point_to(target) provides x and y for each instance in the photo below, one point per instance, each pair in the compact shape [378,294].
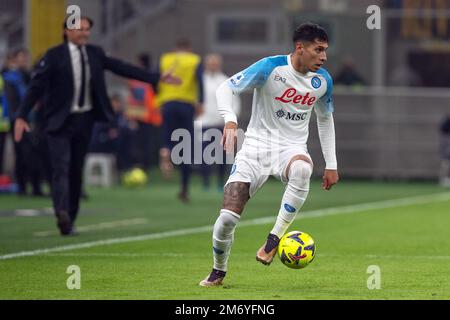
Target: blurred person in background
[36,157]
[70,81]
[403,75]
[125,127]
[213,77]
[347,75]
[179,105]
[4,124]
[17,78]
[142,108]
[445,151]
[114,137]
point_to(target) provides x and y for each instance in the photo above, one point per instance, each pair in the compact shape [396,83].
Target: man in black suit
[69,81]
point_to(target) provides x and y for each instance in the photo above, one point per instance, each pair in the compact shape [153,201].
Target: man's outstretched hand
[330,178]
[169,78]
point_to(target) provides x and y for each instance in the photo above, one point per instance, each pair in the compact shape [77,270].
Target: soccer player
[286,90]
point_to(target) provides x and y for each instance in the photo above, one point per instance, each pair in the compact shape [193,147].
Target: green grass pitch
[356,225]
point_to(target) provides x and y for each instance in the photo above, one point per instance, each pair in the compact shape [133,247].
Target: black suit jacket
[52,83]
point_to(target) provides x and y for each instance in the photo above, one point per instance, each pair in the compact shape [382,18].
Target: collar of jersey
[297,73]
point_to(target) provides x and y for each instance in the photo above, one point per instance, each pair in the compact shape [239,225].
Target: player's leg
[298,173]
[186,114]
[236,195]
[2,148]
[169,124]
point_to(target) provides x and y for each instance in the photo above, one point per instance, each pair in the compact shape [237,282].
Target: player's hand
[169,78]
[229,137]
[330,178]
[199,109]
[20,127]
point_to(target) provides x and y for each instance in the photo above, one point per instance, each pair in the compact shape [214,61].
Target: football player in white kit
[286,90]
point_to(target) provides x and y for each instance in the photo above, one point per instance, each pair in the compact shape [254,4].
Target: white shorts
[254,164]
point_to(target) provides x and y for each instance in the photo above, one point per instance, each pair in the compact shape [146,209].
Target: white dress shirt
[75,57]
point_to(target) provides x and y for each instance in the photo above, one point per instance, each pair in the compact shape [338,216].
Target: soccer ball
[135,178]
[296,249]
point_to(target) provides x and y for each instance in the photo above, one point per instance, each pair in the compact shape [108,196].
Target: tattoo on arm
[236,195]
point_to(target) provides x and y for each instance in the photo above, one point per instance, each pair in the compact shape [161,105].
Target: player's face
[80,36]
[313,54]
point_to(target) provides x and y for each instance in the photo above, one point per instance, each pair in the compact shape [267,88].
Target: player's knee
[299,175]
[236,195]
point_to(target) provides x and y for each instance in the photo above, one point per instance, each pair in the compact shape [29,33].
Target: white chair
[100,170]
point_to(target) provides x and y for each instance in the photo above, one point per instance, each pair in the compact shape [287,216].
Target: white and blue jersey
[283,101]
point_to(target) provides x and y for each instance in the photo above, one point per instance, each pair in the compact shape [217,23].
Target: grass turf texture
[409,243]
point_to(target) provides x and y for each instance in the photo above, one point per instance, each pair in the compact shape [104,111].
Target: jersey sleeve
[325,103]
[325,123]
[253,77]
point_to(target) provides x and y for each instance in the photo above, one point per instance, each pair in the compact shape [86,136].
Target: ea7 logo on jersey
[237,78]
[279,78]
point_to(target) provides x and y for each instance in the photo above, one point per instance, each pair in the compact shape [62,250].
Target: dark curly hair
[310,32]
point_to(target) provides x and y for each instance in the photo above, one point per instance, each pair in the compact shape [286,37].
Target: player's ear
[299,47]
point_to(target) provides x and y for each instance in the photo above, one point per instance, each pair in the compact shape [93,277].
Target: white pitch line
[99,226]
[259,221]
[91,244]
[168,254]
[369,206]
[119,254]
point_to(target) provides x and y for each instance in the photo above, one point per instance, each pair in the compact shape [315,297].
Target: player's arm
[39,80]
[325,125]
[224,96]
[251,78]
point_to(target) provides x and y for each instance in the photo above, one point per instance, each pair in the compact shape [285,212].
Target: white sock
[294,196]
[223,236]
